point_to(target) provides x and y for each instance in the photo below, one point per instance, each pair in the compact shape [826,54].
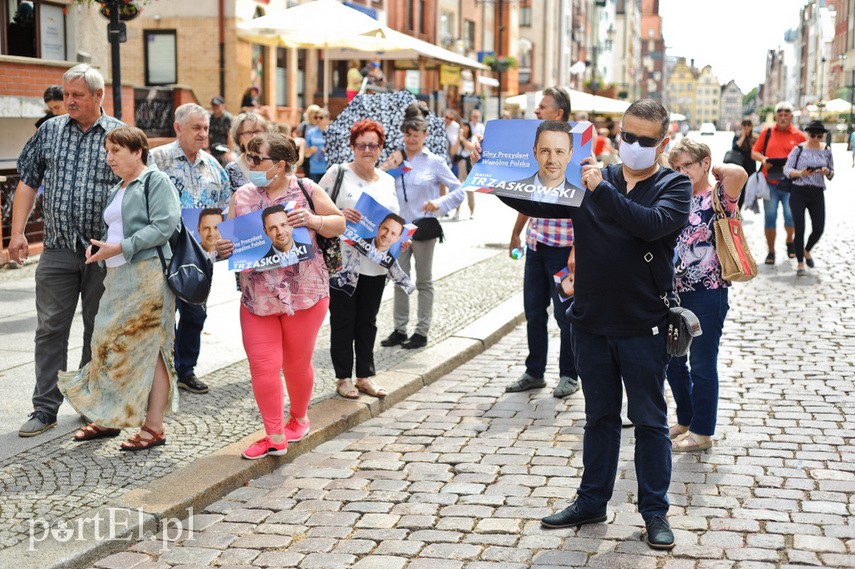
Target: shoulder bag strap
[768,136]
[339,177]
[148,216]
[306,194]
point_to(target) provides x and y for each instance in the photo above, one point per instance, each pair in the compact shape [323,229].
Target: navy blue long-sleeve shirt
[615,291]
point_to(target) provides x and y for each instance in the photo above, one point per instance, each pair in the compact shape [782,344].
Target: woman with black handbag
[420,202]
[353,309]
[131,381]
[743,141]
[698,281]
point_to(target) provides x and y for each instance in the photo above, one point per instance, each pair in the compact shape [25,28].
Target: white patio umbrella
[320,24]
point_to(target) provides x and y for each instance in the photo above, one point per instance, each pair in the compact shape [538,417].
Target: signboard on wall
[52,27]
[449,75]
[413,81]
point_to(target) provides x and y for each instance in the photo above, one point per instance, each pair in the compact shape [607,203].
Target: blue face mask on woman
[259,178]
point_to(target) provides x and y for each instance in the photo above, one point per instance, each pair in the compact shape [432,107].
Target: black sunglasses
[816,134]
[257,160]
[644,141]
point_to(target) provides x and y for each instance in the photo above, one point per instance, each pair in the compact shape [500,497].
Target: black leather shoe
[192,384]
[525,383]
[415,341]
[659,534]
[573,516]
[395,338]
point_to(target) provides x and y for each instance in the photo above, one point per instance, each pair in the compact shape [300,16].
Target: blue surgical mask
[259,178]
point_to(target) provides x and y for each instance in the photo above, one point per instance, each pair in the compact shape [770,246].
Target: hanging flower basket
[500,64]
[128,9]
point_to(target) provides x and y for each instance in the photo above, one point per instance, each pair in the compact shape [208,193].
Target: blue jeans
[538,290]
[188,336]
[696,390]
[602,362]
[770,208]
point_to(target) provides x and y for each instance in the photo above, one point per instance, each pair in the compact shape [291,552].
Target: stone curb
[207,479]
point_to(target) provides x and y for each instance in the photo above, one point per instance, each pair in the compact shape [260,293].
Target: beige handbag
[735,258]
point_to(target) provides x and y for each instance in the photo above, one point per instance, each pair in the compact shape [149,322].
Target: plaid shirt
[201,184]
[552,232]
[72,166]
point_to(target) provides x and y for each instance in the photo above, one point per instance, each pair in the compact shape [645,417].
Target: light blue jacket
[141,236]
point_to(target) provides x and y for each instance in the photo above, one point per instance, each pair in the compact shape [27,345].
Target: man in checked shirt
[549,244]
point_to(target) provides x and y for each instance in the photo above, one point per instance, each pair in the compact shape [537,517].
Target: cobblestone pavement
[58,480]
[458,475]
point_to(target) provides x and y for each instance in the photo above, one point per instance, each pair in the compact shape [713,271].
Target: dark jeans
[538,291]
[602,362]
[188,336]
[353,326]
[694,379]
[61,277]
[812,199]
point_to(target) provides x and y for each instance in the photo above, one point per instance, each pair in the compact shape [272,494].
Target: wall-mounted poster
[52,31]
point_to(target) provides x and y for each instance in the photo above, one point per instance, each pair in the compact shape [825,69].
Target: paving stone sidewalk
[458,475]
[61,478]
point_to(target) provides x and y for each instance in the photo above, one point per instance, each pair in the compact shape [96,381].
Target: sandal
[367,386]
[770,259]
[346,389]
[688,443]
[136,442]
[791,250]
[677,431]
[92,431]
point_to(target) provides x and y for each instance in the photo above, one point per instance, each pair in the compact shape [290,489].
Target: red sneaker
[263,447]
[295,430]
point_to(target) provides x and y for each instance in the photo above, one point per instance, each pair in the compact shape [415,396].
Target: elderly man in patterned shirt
[201,183]
[67,157]
[550,244]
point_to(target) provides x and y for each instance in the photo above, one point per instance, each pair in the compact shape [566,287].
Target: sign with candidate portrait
[202,224]
[534,160]
[264,240]
[380,233]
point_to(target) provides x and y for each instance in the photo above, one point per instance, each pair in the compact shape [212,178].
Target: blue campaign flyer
[264,240]
[203,227]
[533,160]
[564,283]
[380,233]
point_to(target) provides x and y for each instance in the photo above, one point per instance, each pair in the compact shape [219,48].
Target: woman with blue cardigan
[130,381]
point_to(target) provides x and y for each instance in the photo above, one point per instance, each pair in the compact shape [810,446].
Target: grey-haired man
[67,157]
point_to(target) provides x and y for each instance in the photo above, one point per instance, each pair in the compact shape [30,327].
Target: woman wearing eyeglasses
[353,318]
[809,165]
[245,127]
[694,378]
[282,309]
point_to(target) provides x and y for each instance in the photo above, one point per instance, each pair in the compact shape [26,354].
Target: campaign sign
[380,233]
[564,284]
[512,166]
[203,227]
[257,249]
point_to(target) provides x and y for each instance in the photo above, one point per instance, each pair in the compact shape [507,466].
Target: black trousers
[812,199]
[353,327]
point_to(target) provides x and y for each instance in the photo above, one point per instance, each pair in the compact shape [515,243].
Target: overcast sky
[731,35]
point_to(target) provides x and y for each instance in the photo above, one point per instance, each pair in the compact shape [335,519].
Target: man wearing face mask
[626,229]
[201,183]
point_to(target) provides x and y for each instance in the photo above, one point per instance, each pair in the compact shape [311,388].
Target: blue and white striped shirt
[809,158]
[421,185]
[72,166]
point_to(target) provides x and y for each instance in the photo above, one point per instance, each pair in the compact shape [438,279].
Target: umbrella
[388,110]
[316,25]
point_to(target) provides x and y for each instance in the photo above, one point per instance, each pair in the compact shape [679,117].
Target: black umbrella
[388,110]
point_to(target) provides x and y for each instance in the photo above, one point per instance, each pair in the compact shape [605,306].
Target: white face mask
[637,157]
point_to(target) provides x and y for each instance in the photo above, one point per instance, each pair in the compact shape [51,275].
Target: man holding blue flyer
[626,228]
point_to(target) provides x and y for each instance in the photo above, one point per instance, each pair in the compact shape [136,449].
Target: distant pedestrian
[219,132]
[694,378]
[771,149]
[66,156]
[282,309]
[852,147]
[130,381]
[628,224]
[201,183]
[354,79]
[743,142]
[55,102]
[315,146]
[809,165]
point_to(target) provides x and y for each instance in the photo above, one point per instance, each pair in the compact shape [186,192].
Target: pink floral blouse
[287,289]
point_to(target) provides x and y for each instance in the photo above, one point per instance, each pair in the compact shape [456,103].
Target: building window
[525,16]
[29,29]
[469,35]
[161,57]
[526,49]
[411,25]
[422,16]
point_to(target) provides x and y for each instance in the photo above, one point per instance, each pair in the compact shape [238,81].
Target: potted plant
[501,63]
[128,9]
